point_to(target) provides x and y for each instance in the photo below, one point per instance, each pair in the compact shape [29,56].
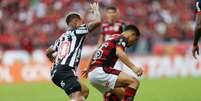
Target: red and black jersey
[109,29]
[105,56]
[197,6]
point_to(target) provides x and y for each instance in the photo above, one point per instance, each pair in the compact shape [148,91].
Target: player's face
[133,38]
[111,14]
[76,22]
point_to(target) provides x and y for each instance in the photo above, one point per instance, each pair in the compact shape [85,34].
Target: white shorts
[102,81]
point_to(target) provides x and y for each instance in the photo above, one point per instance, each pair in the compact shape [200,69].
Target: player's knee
[76,96]
[85,92]
[134,84]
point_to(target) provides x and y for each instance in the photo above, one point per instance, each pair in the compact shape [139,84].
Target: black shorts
[65,78]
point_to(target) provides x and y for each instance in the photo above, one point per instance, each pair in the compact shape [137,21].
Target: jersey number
[64,49]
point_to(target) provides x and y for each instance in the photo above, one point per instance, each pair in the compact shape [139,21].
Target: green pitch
[188,89]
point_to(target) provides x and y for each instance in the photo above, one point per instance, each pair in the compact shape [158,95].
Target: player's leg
[84,89]
[68,81]
[105,82]
[114,95]
[118,92]
[76,96]
[72,87]
[129,83]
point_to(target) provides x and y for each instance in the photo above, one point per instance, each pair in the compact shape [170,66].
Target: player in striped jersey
[197,6]
[65,53]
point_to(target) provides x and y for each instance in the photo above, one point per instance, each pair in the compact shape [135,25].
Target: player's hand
[195,51]
[52,60]
[138,71]
[94,7]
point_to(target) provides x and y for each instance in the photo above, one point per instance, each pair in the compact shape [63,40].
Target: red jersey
[109,29]
[105,56]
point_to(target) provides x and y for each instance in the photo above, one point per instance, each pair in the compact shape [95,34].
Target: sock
[113,97]
[110,97]
[129,94]
[106,96]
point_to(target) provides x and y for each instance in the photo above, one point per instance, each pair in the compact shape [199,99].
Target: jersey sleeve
[122,42]
[82,30]
[197,6]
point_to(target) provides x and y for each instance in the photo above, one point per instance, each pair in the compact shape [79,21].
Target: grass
[174,89]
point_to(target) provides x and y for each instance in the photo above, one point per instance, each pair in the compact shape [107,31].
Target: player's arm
[96,13]
[49,54]
[197,35]
[101,39]
[124,58]
[197,29]
[197,32]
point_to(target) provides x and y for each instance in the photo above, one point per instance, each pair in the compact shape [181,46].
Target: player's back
[69,46]
[105,55]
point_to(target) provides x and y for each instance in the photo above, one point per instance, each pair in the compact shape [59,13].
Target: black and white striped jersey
[69,45]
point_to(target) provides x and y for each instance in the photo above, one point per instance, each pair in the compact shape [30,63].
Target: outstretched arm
[96,13]
[124,58]
[101,39]
[197,35]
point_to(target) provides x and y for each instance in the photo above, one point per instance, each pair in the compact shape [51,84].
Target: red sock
[106,96]
[129,94]
[111,97]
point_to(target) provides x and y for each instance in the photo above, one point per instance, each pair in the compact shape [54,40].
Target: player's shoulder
[116,36]
[83,26]
[62,35]
[105,23]
[82,29]
[119,22]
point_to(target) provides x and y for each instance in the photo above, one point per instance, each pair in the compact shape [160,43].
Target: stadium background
[28,27]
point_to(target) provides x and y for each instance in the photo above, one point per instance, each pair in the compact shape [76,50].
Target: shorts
[65,79]
[102,80]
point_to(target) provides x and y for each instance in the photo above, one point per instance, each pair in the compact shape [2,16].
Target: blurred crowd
[31,24]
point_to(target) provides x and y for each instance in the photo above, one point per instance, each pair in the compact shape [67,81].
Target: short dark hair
[133,28]
[72,16]
[111,8]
